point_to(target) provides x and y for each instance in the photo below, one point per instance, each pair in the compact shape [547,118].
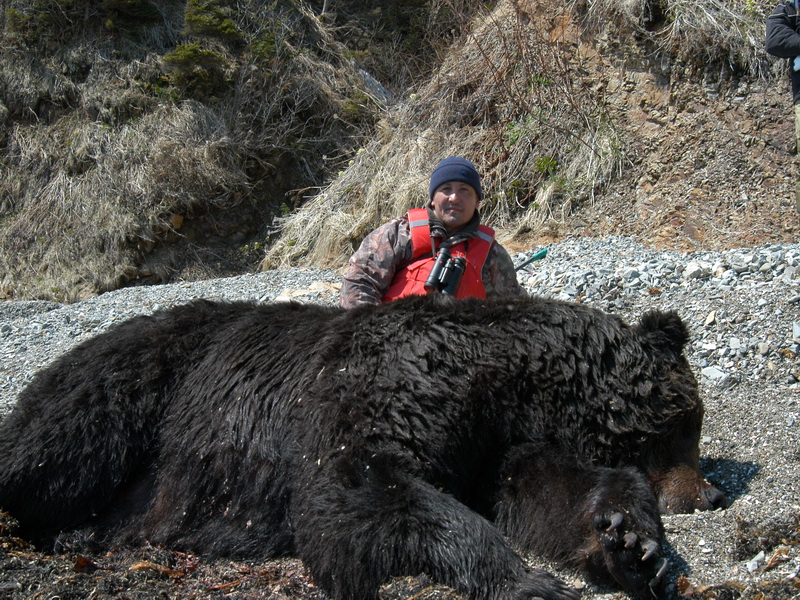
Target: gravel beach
[742,308]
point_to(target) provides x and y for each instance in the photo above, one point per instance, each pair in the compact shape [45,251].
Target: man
[783,41]
[441,248]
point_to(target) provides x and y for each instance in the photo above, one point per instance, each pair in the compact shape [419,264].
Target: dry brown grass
[698,31]
[103,148]
[512,96]
[77,222]
[504,97]
[100,152]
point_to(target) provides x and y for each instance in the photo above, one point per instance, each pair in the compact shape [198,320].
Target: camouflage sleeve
[499,276]
[372,267]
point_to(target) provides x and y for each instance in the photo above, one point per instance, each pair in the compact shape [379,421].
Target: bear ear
[664,329]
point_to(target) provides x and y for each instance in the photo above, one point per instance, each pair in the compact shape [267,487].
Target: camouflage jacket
[388,248]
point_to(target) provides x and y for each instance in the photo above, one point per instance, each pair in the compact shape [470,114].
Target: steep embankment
[587,119]
[711,166]
[144,142]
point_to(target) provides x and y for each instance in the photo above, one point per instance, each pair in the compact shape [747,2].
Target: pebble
[742,309]
[739,305]
[756,562]
[33,333]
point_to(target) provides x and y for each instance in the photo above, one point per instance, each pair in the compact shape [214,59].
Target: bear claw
[663,567]
[650,547]
[632,558]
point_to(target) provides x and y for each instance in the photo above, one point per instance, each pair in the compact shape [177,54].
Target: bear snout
[709,498]
[714,498]
[684,490]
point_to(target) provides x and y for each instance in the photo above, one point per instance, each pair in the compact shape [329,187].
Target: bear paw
[632,558]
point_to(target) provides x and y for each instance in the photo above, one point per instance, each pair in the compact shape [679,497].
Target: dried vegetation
[515,94]
[145,141]
[128,126]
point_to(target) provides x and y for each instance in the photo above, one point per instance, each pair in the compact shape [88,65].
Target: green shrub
[38,18]
[17,21]
[264,49]
[43,21]
[546,165]
[207,17]
[197,71]
[356,108]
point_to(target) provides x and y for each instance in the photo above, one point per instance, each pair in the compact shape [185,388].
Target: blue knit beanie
[455,168]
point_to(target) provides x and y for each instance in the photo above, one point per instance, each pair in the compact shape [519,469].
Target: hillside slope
[711,167]
[145,142]
[672,127]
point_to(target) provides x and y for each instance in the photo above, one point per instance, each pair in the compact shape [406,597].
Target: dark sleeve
[499,276]
[372,267]
[782,39]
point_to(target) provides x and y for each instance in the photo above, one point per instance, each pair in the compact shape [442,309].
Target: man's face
[454,203]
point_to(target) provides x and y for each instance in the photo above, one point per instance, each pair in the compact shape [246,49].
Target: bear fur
[425,435]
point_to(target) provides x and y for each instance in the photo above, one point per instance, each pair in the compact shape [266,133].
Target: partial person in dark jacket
[783,41]
[441,248]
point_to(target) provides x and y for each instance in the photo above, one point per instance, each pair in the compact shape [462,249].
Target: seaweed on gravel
[77,571]
[753,537]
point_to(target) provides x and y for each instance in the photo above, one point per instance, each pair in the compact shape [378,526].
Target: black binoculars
[446,273]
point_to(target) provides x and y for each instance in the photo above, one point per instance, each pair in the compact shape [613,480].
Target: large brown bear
[428,435]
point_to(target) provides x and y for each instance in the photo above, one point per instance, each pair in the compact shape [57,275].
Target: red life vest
[410,279]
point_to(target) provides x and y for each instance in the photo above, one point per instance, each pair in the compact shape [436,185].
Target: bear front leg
[627,533]
[602,520]
[358,524]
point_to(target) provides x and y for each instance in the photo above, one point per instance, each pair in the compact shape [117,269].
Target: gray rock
[751,392]
[713,373]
